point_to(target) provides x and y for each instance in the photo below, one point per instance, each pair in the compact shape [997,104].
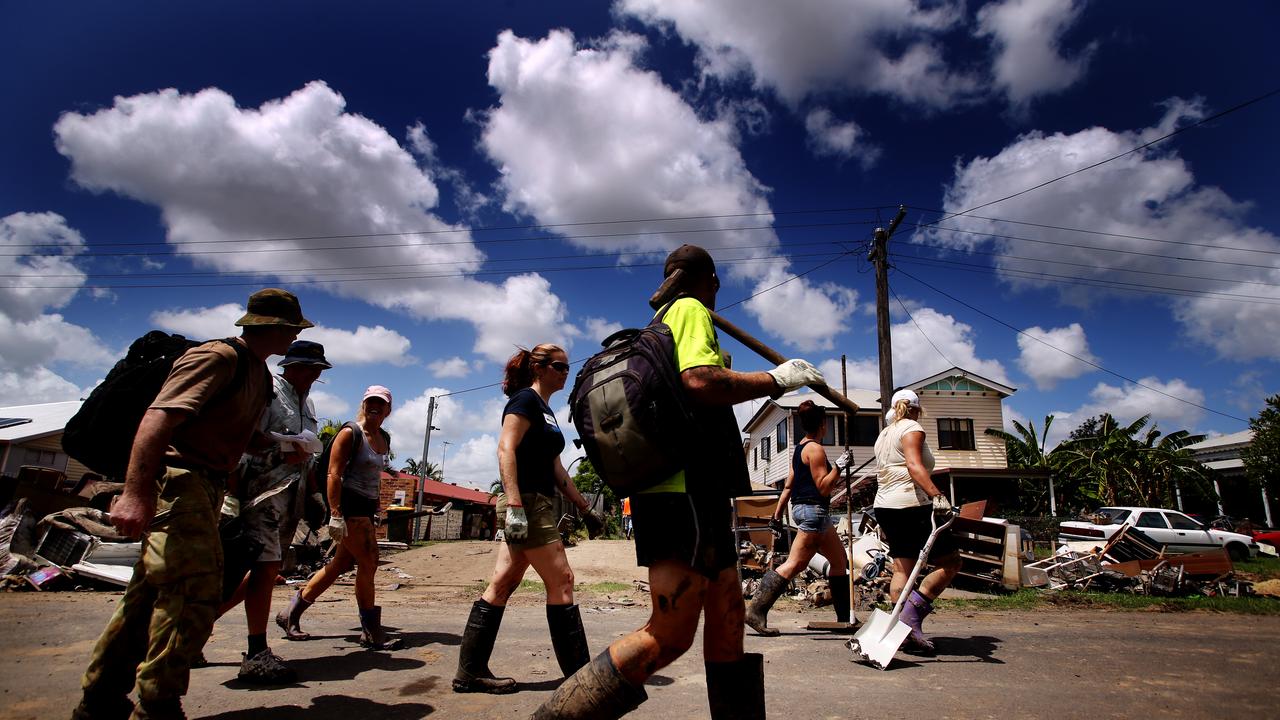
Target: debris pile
[68,549]
[1132,562]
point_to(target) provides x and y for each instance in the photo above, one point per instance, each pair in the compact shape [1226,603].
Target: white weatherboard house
[1221,455]
[958,407]
[32,435]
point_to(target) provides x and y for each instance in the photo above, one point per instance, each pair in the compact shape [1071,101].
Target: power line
[922,332]
[1092,266]
[1065,352]
[1097,232]
[1198,123]
[1087,282]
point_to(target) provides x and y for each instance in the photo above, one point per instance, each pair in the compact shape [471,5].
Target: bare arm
[513,429]
[713,385]
[785,496]
[339,458]
[137,505]
[824,475]
[568,489]
[912,443]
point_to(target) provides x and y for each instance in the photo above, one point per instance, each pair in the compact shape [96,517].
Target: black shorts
[907,529]
[678,526]
[357,505]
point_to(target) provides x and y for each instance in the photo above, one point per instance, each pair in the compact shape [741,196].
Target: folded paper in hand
[305,441]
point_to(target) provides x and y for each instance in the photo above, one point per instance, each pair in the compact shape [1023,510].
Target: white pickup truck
[1177,532]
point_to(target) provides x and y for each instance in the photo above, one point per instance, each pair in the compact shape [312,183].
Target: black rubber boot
[735,690]
[598,691]
[289,618]
[771,587]
[372,635]
[477,645]
[94,707]
[568,638]
[839,585]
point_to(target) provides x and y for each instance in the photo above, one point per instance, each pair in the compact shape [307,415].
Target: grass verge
[1027,599]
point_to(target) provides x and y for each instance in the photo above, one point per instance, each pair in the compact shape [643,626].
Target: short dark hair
[811,415]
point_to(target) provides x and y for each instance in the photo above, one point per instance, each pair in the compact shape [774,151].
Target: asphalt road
[1041,664]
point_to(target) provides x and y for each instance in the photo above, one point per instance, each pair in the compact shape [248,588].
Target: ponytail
[518,373]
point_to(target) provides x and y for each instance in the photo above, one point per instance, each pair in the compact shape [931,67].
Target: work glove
[795,373]
[231,506]
[776,526]
[594,520]
[845,459]
[517,525]
[337,528]
[941,504]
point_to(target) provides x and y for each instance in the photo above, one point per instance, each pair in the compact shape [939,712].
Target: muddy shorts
[356,505]
[272,521]
[811,518]
[678,526]
[907,529]
[540,511]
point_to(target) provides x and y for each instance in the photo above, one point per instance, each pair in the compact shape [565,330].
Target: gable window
[782,436]
[955,434]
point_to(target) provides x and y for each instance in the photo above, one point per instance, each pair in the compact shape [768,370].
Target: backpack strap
[663,310]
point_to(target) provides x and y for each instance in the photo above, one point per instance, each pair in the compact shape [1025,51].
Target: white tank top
[896,489]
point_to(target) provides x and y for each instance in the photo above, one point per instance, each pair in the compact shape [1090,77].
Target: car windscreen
[1113,515]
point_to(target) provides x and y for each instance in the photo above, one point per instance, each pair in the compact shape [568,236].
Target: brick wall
[407,483]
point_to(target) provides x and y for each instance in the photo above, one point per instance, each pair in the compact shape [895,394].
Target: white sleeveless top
[896,489]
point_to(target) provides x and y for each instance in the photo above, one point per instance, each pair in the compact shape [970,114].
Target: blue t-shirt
[541,445]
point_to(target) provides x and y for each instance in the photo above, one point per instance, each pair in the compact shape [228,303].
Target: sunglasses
[559,366]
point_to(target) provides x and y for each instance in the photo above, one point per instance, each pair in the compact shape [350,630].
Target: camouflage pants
[168,609]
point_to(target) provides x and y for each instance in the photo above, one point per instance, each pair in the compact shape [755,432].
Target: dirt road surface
[1040,664]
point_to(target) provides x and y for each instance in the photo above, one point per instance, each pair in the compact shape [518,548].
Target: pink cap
[377,391]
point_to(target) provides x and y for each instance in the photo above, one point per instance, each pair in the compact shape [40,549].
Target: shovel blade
[878,641]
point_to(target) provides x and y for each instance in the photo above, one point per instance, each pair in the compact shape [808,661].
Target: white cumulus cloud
[1026,37]
[831,137]
[1169,404]
[250,190]
[1141,203]
[1048,366]
[454,367]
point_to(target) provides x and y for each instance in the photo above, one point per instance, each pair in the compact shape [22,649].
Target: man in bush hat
[186,448]
[276,484]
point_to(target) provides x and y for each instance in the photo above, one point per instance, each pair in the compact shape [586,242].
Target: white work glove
[231,506]
[844,460]
[796,373]
[517,525]
[337,528]
[941,504]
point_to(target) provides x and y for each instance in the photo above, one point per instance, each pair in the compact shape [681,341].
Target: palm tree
[495,487]
[1026,450]
[1107,462]
[413,467]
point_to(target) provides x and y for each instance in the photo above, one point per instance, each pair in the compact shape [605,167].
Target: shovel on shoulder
[879,639]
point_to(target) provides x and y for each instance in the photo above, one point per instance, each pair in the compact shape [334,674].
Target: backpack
[100,435]
[320,470]
[630,410]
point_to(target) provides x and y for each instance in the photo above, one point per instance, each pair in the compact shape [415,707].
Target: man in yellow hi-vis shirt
[683,529]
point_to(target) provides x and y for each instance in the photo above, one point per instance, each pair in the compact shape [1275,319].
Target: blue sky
[439,184]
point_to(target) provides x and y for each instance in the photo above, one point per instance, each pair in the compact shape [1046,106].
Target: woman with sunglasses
[529,448]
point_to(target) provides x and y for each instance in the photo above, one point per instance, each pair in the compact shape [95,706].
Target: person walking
[808,487]
[529,448]
[276,482]
[683,528]
[626,517]
[905,500]
[186,447]
[358,456]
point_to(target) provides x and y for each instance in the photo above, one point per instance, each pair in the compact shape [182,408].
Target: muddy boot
[596,692]
[372,635]
[771,587]
[839,585]
[477,645]
[916,609]
[266,668]
[167,709]
[99,707]
[289,618]
[568,638]
[735,689]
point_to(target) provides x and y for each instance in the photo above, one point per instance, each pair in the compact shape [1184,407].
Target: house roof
[866,400]
[44,419]
[1244,437]
[1004,390]
[436,488]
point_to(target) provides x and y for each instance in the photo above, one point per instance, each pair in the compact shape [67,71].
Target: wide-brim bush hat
[274,306]
[305,352]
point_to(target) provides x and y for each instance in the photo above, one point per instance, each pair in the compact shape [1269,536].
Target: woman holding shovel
[905,500]
[808,487]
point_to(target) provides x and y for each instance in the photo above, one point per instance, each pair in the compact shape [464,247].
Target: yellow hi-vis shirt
[696,346]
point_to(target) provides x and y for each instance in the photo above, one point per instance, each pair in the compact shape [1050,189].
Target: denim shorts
[811,518]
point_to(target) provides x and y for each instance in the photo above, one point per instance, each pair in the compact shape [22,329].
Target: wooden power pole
[880,256]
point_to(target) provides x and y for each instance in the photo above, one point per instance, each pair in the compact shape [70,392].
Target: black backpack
[100,435]
[630,410]
[320,469]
